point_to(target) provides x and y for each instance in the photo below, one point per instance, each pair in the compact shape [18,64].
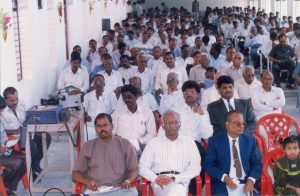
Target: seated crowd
[159,86]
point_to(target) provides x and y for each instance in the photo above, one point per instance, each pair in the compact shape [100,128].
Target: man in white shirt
[179,155]
[215,56]
[117,53]
[107,44]
[144,73]
[174,97]
[185,58]
[235,71]
[96,102]
[13,121]
[74,75]
[113,79]
[125,68]
[195,121]
[267,99]
[246,85]
[162,72]
[134,122]
[197,73]
[92,54]
[155,60]
[223,65]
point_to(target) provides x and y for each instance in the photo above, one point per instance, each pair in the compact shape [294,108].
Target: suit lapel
[243,148]
[227,152]
[223,109]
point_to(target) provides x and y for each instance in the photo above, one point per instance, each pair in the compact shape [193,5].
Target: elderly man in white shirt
[134,122]
[163,71]
[246,85]
[96,102]
[170,160]
[267,99]
[144,73]
[155,60]
[113,79]
[195,121]
[74,75]
[174,97]
[235,71]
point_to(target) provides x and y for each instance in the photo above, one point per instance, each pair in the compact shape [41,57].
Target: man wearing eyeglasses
[232,159]
[170,160]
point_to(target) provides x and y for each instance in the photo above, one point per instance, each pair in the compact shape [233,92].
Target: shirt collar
[230,138]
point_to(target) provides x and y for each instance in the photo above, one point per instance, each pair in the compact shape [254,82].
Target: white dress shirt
[197,73]
[232,174]
[212,94]
[106,103]
[10,121]
[234,73]
[168,102]
[184,62]
[264,102]
[146,77]
[139,125]
[193,125]
[116,56]
[162,154]
[147,100]
[153,64]
[245,90]
[223,65]
[162,73]
[79,80]
[126,73]
[231,101]
[112,81]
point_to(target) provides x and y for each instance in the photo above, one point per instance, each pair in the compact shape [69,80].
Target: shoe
[10,193]
[278,85]
[289,86]
[37,169]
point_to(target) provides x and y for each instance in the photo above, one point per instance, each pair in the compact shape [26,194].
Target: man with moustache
[107,161]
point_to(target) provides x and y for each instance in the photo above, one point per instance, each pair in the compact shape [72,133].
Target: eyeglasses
[169,123]
[238,124]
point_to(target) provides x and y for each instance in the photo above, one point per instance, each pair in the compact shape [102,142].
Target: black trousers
[15,168]
[202,152]
[36,147]
[290,66]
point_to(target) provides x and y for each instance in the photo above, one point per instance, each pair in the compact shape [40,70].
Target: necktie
[236,159]
[229,105]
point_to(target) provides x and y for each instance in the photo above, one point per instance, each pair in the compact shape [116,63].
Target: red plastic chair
[2,187]
[146,185]
[79,187]
[268,162]
[17,148]
[276,127]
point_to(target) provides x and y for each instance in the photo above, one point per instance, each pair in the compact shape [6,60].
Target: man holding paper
[108,163]
[14,162]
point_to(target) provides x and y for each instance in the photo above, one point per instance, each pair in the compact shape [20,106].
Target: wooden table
[74,125]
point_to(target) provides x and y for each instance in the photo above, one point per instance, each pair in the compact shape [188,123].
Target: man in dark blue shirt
[283,57]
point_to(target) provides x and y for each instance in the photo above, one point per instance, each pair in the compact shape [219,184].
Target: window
[254,3]
[16,27]
[296,8]
[281,7]
[266,4]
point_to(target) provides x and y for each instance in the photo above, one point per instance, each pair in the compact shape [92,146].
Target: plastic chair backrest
[275,127]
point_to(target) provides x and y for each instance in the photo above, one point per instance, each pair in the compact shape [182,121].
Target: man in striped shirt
[171,160]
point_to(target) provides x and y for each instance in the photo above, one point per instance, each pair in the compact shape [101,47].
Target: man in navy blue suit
[232,159]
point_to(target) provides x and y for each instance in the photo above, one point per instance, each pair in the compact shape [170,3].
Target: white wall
[43,42]
[203,3]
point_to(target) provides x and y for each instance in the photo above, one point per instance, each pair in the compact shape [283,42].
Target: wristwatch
[127,181]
